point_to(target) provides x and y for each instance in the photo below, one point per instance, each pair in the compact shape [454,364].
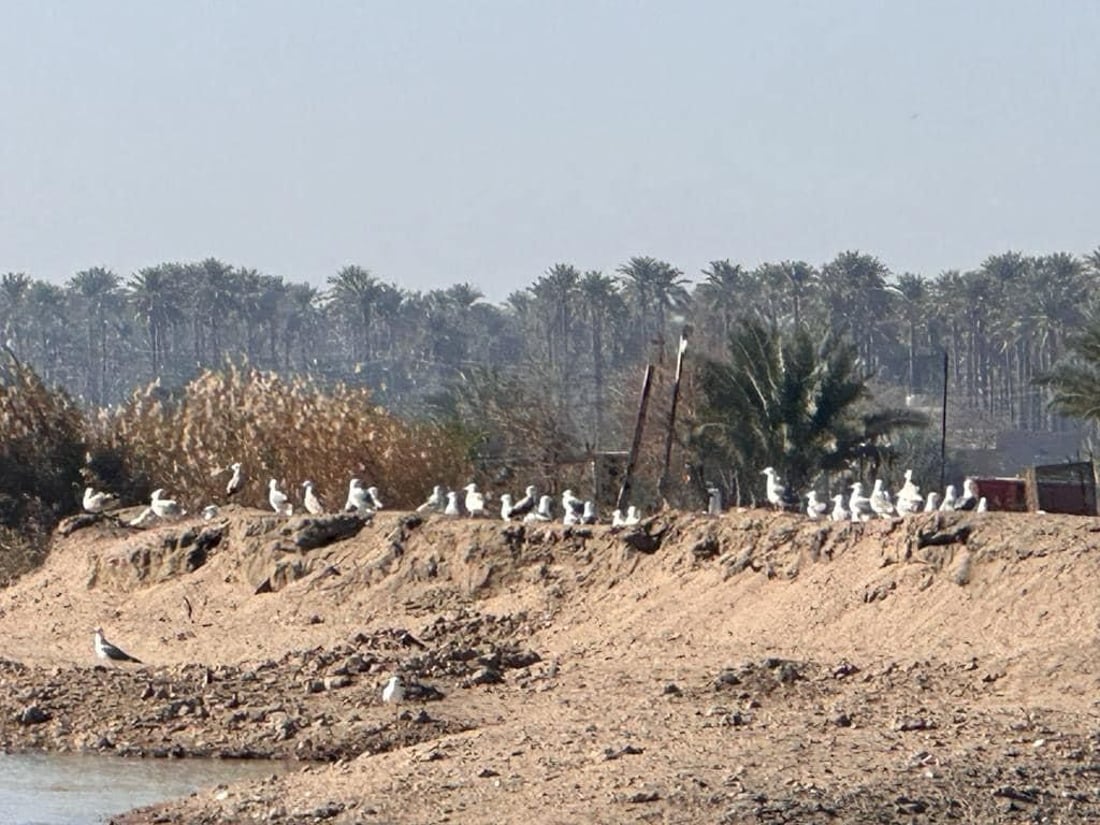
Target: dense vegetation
[101,335]
[365,378]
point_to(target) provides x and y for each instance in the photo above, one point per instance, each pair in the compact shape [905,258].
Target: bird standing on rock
[394,691]
[775,489]
[312,503]
[96,502]
[109,652]
[815,509]
[475,501]
[236,481]
[437,501]
[278,499]
[358,499]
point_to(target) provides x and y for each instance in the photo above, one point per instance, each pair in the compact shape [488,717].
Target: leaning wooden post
[662,484]
[628,473]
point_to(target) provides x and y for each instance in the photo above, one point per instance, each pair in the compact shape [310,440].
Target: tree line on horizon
[574,339]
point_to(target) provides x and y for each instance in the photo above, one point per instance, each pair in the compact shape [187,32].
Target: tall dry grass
[41,453]
[291,430]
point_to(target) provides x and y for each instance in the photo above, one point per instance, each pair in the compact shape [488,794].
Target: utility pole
[662,484]
[943,427]
[628,474]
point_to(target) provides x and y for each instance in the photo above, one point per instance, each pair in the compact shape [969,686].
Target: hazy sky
[436,142]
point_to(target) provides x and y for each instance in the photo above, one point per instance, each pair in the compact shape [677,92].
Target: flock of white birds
[470,502]
[880,503]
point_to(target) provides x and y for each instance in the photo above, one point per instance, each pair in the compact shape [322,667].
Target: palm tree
[1075,379]
[96,293]
[790,401]
[352,293]
[601,306]
[13,292]
[653,289]
[721,297]
[156,296]
[913,290]
[555,295]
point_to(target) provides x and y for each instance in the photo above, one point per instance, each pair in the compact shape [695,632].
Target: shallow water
[79,789]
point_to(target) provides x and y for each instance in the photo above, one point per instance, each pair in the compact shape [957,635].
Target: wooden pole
[628,474]
[662,484]
[943,427]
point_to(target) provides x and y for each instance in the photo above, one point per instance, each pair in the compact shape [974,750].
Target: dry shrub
[41,453]
[290,430]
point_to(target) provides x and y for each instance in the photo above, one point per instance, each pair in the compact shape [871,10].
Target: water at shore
[78,789]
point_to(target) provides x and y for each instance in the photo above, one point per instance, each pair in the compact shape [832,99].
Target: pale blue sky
[436,142]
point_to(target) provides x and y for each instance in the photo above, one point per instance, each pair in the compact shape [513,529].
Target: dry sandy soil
[753,667]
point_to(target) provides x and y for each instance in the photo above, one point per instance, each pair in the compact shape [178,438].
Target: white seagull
[372,493]
[775,489]
[106,650]
[95,502]
[235,481]
[840,512]
[526,504]
[969,499]
[210,512]
[437,501]
[983,505]
[714,501]
[358,499]
[475,501]
[165,507]
[880,500]
[278,500]
[932,503]
[859,506]
[617,519]
[451,508]
[506,507]
[543,511]
[394,691]
[589,515]
[815,509]
[949,499]
[572,507]
[312,504]
[633,515]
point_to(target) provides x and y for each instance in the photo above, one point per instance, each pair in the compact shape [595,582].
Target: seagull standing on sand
[95,502]
[617,519]
[235,481]
[372,493]
[949,499]
[969,499]
[983,505]
[572,507]
[775,489]
[633,515]
[815,509]
[840,513]
[164,507]
[394,692]
[312,504]
[358,500]
[451,508]
[543,511]
[210,512]
[589,515]
[526,504]
[858,504]
[880,500]
[932,503]
[436,502]
[475,501]
[278,500]
[109,652]
[505,507]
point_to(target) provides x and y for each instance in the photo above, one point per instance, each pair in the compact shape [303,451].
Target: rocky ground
[754,667]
